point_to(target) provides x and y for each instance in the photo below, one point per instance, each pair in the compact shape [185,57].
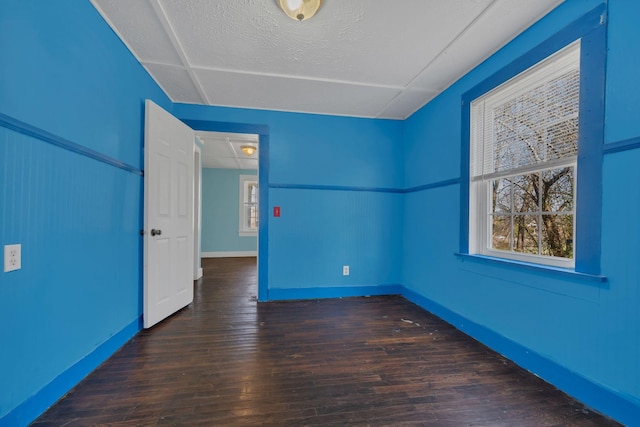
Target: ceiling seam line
[384,107]
[163,64]
[460,34]
[288,76]
[415,77]
[124,41]
[177,46]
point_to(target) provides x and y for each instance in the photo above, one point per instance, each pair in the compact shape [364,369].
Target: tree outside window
[523,163]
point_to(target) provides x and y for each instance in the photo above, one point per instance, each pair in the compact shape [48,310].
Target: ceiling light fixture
[248,150]
[300,10]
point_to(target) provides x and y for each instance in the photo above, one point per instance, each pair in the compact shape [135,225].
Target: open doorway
[230,194]
[263,183]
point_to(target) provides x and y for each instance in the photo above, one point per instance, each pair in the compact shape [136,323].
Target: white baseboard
[198,274]
[229,254]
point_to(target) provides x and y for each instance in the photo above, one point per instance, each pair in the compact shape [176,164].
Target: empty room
[305,212]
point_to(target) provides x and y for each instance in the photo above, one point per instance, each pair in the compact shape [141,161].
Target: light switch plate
[12,257]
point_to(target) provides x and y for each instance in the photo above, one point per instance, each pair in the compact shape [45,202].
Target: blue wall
[331,178]
[582,335]
[65,76]
[220,201]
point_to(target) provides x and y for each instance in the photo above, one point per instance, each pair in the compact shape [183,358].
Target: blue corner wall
[220,201]
[71,129]
[336,181]
[580,334]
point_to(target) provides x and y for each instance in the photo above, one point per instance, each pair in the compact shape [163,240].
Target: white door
[168,214]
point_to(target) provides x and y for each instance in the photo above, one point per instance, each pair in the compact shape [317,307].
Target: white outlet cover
[12,257]
[345,270]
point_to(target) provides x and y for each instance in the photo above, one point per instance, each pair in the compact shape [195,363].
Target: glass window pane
[501,195]
[505,158]
[253,192]
[251,216]
[557,189]
[557,235]
[254,215]
[528,148]
[562,139]
[525,193]
[525,234]
[501,232]
[563,96]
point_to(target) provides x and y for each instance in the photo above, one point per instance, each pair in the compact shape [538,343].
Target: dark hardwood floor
[381,361]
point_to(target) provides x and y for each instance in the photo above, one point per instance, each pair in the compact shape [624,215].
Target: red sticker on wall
[276,211]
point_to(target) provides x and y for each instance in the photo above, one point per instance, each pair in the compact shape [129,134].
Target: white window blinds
[529,120]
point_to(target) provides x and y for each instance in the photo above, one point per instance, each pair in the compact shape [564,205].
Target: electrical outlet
[345,270]
[12,257]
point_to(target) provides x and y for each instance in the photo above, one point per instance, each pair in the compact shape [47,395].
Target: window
[523,164]
[248,205]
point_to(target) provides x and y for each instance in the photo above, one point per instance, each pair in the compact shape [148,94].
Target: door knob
[155,232]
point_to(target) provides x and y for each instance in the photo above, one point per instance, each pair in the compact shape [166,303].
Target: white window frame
[243,229]
[480,195]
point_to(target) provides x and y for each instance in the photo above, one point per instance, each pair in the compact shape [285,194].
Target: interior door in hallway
[168,215]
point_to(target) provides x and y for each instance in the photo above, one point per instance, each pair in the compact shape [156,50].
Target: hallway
[381,361]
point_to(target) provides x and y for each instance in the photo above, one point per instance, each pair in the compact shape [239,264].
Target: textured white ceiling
[363,58]
[223,150]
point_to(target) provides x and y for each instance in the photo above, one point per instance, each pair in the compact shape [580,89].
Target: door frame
[263,187]
[197,209]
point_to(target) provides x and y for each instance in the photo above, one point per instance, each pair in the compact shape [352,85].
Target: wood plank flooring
[382,361]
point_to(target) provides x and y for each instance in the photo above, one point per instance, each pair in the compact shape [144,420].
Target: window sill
[562,272]
[247,233]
